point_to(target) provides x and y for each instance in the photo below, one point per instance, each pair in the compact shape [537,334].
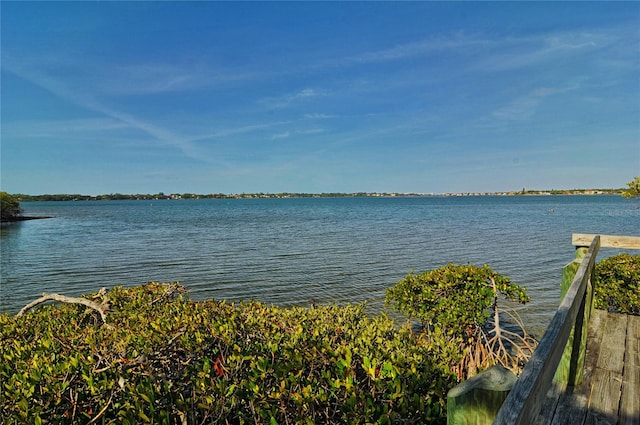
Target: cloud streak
[524,107]
[160,77]
[78,96]
[419,48]
[61,128]
[287,100]
[520,52]
[87,101]
[284,135]
[318,116]
[242,129]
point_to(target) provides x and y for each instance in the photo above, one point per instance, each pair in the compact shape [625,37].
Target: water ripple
[290,250]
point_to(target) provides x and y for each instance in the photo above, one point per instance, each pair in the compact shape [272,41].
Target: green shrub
[9,207]
[455,304]
[617,284]
[162,358]
[452,298]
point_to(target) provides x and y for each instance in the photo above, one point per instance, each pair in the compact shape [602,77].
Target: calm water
[284,251]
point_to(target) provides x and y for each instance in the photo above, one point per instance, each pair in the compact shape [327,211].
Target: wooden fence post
[572,363]
[477,400]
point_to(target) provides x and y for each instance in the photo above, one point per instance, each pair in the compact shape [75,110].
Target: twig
[104,409]
[169,290]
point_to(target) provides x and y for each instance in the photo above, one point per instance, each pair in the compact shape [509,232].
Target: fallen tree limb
[101,308]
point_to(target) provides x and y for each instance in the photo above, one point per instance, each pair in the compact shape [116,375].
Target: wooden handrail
[524,402]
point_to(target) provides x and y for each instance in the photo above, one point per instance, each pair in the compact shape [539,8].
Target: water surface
[285,251]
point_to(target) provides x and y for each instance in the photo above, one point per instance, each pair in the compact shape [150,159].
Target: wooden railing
[560,354]
[525,399]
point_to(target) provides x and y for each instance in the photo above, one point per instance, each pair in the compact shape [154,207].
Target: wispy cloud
[240,129]
[519,109]
[284,135]
[290,98]
[525,106]
[318,116]
[159,77]
[61,128]
[191,146]
[419,47]
[499,53]
[518,52]
[147,79]
[312,131]
[87,100]
[287,134]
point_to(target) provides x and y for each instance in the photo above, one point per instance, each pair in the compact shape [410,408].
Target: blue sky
[208,97]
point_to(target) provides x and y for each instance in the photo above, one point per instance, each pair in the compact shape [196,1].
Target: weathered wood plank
[550,404]
[572,407]
[605,395]
[611,356]
[607,241]
[594,341]
[524,402]
[633,334]
[630,400]
[573,404]
[599,418]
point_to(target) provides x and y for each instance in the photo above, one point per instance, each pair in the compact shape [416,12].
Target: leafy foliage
[452,297]
[165,359]
[455,304]
[633,188]
[9,207]
[617,284]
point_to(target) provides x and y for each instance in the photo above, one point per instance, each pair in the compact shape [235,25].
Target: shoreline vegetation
[10,210]
[151,354]
[258,195]
[162,358]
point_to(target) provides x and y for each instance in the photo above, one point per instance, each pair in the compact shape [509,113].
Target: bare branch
[101,308]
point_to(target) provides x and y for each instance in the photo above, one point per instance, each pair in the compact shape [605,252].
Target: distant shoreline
[177,196]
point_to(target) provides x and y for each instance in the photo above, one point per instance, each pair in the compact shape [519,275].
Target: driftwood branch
[101,307]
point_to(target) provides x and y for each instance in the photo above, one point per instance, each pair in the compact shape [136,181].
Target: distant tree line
[630,192]
[571,192]
[120,196]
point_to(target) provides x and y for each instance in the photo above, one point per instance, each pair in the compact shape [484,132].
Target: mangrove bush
[457,305]
[157,357]
[617,284]
[9,207]
[151,355]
